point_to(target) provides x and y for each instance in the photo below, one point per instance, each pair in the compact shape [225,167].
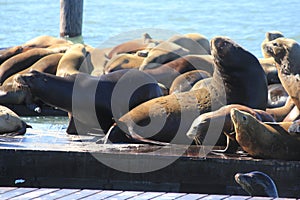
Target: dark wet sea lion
[185,81]
[81,92]
[257,184]
[286,53]
[238,78]
[166,73]
[22,61]
[265,140]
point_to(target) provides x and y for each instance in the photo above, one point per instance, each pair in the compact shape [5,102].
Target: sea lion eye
[275,44]
[244,118]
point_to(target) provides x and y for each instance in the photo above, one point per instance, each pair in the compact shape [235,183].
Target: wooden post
[71,18]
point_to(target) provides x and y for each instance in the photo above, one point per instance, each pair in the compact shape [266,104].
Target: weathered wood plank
[214,197]
[147,195]
[80,194]
[170,195]
[102,195]
[261,198]
[124,195]
[237,197]
[57,194]
[35,194]
[15,193]
[6,189]
[192,196]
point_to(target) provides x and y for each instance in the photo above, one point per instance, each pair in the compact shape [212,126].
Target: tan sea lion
[163,53]
[11,51]
[185,81]
[257,184]
[201,39]
[193,46]
[45,41]
[166,73]
[167,119]
[269,66]
[10,123]
[277,96]
[123,61]
[286,53]
[272,35]
[72,61]
[281,112]
[265,140]
[22,61]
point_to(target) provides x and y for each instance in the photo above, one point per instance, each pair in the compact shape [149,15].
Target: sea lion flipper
[232,145]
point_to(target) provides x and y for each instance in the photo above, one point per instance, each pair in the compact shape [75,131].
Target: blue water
[244,21]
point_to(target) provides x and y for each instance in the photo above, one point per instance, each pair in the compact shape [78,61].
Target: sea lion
[265,140]
[166,73]
[277,96]
[22,61]
[286,53]
[72,61]
[133,46]
[170,117]
[123,61]
[10,123]
[201,39]
[80,92]
[11,51]
[163,53]
[269,66]
[45,41]
[193,46]
[257,184]
[219,122]
[185,81]
[272,35]
[281,112]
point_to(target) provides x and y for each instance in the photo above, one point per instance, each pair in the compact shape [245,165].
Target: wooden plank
[103,194]
[214,197]
[57,194]
[169,196]
[237,197]
[15,193]
[35,194]
[6,189]
[124,195]
[192,196]
[147,195]
[261,198]
[80,194]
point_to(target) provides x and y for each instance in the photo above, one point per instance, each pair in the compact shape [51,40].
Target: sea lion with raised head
[269,36]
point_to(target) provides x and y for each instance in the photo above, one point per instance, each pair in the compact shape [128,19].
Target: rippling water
[244,21]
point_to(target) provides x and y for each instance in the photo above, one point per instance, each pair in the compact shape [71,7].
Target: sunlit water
[244,21]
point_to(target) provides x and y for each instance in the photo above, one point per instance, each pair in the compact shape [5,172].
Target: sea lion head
[228,54]
[286,53]
[257,184]
[29,80]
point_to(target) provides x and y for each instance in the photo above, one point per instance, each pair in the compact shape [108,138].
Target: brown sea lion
[22,61]
[193,46]
[11,51]
[45,41]
[269,66]
[132,46]
[286,53]
[10,123]
[185,81]
[166,73]
[277,96]
[265,140]
[272,35]
[123,61]
[90,99]
[219,122]
[163,53]
[257,184]
[281,112]
[72,61]
[167,119]
[201,39]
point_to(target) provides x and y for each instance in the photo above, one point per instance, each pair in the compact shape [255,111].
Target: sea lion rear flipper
[232,145]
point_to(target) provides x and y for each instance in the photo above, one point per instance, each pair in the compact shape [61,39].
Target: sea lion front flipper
[232,145]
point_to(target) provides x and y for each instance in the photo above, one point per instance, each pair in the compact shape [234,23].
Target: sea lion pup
[185,81]
[166,73]
[133,46]
[277,96]
[257,184]
[22,61]
[272,35]
[46,41]
[286,53]
[90,99]
[265,140]
[123,61]
[188,43]
[220,121]
[237,77]
[10,123]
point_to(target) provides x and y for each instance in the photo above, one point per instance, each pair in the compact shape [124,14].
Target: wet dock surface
[46,157]
[86,194]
